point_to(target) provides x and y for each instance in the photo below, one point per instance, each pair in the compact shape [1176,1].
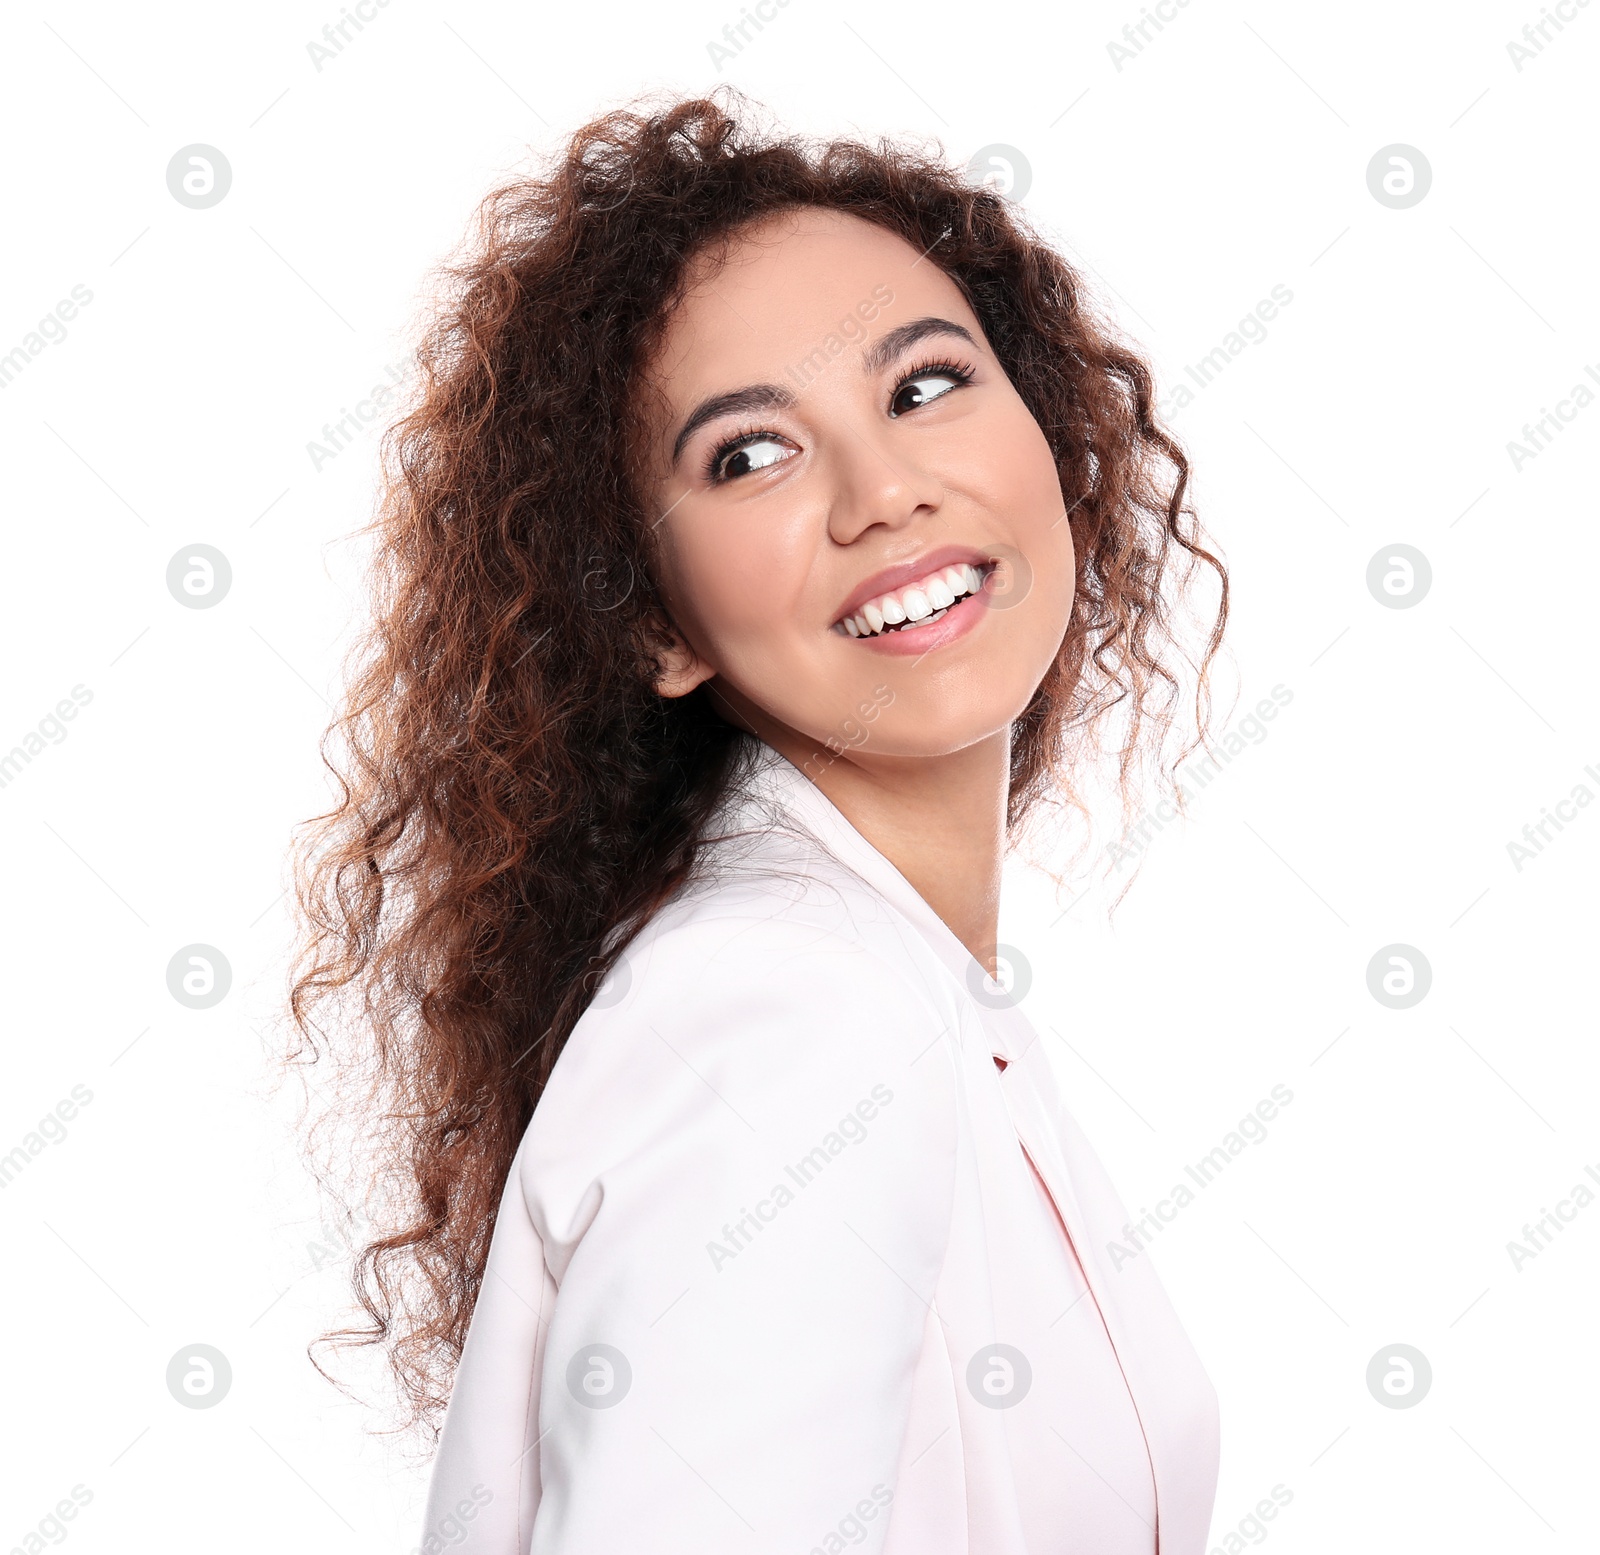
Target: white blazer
[771,1272]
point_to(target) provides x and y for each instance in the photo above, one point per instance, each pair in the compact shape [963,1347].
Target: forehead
[779,287]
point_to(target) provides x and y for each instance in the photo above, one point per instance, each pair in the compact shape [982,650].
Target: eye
[745,453]
[927,383]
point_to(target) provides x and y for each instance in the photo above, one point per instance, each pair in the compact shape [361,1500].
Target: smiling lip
[942,627]
[892,578]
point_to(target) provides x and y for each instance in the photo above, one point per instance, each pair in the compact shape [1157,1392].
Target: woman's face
[863,542]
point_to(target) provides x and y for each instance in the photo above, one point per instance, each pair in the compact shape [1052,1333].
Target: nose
[878,481]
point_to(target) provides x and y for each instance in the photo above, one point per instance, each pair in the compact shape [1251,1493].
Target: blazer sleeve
[742,1177]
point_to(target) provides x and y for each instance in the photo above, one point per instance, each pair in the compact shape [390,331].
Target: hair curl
[514,799]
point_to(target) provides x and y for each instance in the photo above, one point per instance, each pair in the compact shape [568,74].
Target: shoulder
[749,1026]
[777,935]
[770,973]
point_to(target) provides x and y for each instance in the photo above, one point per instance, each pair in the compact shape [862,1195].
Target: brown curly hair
[515,800]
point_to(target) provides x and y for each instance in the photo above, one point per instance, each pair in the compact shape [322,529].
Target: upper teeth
[938,591]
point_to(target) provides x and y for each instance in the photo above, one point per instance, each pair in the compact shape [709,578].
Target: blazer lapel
[1163,1373]
[1154,1353]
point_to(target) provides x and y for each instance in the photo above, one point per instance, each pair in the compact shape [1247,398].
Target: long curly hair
[513,798]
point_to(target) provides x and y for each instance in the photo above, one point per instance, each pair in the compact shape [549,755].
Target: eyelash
[960,371]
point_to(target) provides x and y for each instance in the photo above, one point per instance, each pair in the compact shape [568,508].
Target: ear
[681,669]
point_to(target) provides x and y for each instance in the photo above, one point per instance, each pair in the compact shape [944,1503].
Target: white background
[1227,157]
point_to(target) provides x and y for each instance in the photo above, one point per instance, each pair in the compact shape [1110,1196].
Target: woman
[773,529]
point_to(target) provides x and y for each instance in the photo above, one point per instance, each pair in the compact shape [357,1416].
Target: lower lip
[957,621]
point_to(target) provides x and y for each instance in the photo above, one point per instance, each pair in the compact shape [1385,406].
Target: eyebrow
[773,396]
[755,396]
[878,355]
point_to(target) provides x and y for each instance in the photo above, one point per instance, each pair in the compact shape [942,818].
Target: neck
[940,820]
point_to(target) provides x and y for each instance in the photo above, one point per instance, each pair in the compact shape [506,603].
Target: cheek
[738,577]
[1002,461]
[1005,464]
[1028,469]
[1036,486]
[1011,472]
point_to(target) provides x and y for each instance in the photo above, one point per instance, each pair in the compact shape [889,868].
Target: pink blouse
[1089,1490]
[803,1250]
